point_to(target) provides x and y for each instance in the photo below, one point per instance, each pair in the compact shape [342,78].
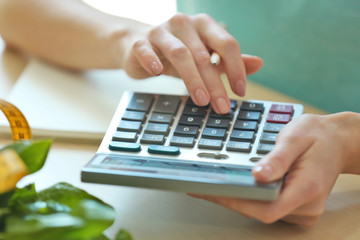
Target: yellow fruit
[12,169]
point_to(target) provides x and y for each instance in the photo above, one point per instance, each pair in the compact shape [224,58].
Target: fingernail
[222,105]
[155,68]
[265,171]
[240,88]
[201,97]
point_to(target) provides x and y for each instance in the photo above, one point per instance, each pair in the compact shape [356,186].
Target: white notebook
[62,104]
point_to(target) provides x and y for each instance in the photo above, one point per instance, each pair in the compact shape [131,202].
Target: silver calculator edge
[174,173]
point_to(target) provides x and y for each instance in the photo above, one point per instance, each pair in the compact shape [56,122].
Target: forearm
[67,32]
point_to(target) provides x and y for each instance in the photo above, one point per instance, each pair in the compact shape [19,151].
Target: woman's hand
[73,35]
[313,150]
[181,47]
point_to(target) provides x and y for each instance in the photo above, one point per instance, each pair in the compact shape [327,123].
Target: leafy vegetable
[33,153]
[59,212]
[62,211]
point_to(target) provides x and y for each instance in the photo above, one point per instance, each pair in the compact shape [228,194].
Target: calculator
[167,142]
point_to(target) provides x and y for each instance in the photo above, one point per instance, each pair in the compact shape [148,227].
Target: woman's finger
[220,41]
[183,29]
[182,60]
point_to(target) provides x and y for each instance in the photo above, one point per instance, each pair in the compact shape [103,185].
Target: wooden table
[152,214]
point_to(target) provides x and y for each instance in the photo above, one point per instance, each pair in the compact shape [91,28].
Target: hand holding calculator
[167,142]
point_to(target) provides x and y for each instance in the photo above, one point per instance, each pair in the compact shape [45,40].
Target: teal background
[310,48]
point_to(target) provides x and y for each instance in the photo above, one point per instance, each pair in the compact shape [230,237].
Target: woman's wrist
[349,137]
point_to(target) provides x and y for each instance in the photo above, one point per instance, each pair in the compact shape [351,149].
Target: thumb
[276,164]
[252,63]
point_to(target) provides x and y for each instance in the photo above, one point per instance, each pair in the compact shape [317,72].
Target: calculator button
[190,102]
[191,120]
[125,146]
[124,136]
[230,115]
[267,137]
[282,108]
[167,150]
[246,125]
[238,146]
[161,118]
[157,128]
[278,118]
[134,116]
[140,102]
[195,111]
[264,148]
[210,144]
[183,130]
[273,127]
[242,136]
[167,104]
[251,106]
[249,116]
[129,126]
[218,133]
[233,104]
[182,141]
[218,122]
[152,139]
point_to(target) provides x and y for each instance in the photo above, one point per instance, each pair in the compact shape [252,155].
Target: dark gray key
[218,122]
[273,127]
[161,118]
[167,104]
[249,115]
[125,136]
[218,133]
[133,116]
[189,131]
[157,128]
[195,111]
[182,141]
[214,144]
[230,115]
[129,126]
[251,106]
[140,102]
[268,137]
[233,104]
[238,146]
[264,148]
[190,102]
[246,125]
[152,139]
[191,120]
[242,136]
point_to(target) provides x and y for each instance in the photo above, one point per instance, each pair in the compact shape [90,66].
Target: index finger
[220,41]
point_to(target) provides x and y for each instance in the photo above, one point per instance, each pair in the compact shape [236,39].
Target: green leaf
[59,212]
[101,237]
[33,153]
[123,235]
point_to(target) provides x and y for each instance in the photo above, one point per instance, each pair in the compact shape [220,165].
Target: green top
[310,48]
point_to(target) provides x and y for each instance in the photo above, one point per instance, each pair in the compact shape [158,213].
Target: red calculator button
[282,108]
[278,118]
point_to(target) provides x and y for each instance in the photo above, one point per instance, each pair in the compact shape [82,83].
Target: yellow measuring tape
[20,129]
[12,168]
